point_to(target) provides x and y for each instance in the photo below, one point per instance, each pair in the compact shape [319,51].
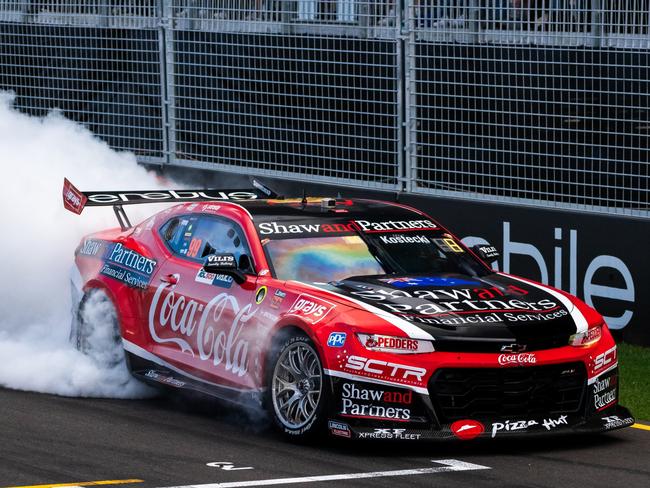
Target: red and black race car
[363,318]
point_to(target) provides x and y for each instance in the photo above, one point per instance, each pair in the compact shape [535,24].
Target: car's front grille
[515,393]
[460,344]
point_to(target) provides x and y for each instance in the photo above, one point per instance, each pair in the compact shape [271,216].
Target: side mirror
[224,264]
[486,252]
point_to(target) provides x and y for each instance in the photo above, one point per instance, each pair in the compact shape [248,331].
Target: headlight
[396,345]
[587,338]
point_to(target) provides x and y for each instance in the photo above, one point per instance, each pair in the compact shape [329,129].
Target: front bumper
[616,417]
[546,400]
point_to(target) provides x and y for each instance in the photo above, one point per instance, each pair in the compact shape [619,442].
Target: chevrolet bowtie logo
[514,347]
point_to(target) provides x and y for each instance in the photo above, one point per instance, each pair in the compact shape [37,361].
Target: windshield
[326,259]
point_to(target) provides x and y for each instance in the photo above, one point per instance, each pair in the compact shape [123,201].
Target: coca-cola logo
[209,330]
[517,359]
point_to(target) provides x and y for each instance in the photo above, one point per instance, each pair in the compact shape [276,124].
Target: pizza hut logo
[310,308]
[522,359]
[467,429]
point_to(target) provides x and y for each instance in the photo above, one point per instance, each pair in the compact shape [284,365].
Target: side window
[196,236]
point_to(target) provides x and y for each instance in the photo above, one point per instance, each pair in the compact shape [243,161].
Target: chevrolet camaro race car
[361,318]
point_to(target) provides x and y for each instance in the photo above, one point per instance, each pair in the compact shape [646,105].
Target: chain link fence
[542,102]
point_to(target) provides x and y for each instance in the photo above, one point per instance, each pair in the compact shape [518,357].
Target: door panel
[200,322]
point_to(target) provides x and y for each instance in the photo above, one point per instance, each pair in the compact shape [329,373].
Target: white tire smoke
[37,246]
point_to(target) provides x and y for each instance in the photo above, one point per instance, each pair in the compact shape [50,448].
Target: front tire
[297,393]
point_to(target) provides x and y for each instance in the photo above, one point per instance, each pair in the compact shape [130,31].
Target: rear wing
[75,200]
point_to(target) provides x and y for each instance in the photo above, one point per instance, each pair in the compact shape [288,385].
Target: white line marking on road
[449,466]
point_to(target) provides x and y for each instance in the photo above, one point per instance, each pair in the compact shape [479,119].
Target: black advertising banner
[602,259]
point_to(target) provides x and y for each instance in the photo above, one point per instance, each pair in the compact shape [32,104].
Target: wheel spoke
[297,385]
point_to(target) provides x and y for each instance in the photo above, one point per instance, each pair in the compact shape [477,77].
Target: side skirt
[158,375]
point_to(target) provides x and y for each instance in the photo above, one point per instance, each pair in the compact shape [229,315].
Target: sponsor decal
[615,422]
[605,360]
[522,359]
[266,228]
[168,380]
[604,391]
[428,281]
[222,260]
[521,425]
[553,423]
[264,272]
[336,339]
[514,348]
[202,276]
[393,344]
[128,258]
[404,239]
[511,426]
[388,342]
[212,330]
[340,429]
[350,390]
[210,208]
[128,266]
[91,247]
[384,369]
[278,298]
[392,225]
[488,252]
[397,434]
[448,245]
[310,308]
[269,316]
[222,280]
[73,199]
[467,429]
[260,295]
[460,306]
[161,195]
[370,403]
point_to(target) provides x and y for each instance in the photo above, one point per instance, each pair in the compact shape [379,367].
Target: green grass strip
[634,364]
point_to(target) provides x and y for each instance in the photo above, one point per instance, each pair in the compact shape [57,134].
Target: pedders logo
[467,429]
[310,308]
[198,328]
[522,359]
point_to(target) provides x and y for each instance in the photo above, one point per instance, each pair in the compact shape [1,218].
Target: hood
[496,309]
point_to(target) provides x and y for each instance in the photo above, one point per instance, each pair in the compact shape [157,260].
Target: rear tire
[97,332]
[297,394]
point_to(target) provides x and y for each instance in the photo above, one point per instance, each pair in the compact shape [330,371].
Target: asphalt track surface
[164,442]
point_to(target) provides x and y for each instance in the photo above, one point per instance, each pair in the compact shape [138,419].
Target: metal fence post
[596,23]
[166,43]
[408,150]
